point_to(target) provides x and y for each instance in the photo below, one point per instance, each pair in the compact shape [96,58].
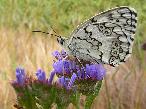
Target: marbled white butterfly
[105,38]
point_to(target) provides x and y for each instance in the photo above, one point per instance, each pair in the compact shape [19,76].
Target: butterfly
[104,38]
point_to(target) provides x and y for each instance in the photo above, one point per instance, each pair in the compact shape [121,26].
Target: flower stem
[91,97]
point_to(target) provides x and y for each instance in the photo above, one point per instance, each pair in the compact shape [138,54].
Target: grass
[19,46]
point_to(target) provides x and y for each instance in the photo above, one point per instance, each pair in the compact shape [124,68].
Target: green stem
[90,98]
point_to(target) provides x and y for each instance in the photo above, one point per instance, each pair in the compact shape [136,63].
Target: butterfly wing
[107,37]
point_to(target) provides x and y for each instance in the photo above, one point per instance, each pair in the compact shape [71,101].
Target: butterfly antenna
[38,31]
[54,30]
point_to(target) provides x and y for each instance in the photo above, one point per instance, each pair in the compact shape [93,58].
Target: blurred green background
[19,46]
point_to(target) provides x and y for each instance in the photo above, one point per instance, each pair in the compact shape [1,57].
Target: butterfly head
[61,40]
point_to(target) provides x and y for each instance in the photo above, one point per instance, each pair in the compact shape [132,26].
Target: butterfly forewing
[107,37]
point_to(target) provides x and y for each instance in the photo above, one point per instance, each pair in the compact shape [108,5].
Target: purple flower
[72,65]
[58,66]
[57,55]
[72,74]
[95,71]
[63,53]
[41,75]
[79,74]
[83,75]
[66,65]
[72,80]
[66,82]
[62,67]
[62,81]
[92,71]
[100,72]
[51,77]
[20,76]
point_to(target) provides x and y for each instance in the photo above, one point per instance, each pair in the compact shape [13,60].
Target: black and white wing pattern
[105,38]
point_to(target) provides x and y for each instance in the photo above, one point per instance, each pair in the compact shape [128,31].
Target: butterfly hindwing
[107,37]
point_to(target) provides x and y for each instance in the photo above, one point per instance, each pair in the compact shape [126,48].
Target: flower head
[63,67]
[74,71]
[57,55]
[100,72]
[63,53]
[62,81]
[51,77]
[66,66]
[41,75]
[95,71]
[58,66]
[20,76]
[72,80]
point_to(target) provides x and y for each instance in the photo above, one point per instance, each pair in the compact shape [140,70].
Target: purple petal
[73,65]
[57,55]
[62,81]
[93,71]
[79,74]
[51,77]
[87,69]
[72,80]
[20,76]
[100,72]
[66,64]
[83,73]
[77,67]
[63,53]
[58,66]
[41,75]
